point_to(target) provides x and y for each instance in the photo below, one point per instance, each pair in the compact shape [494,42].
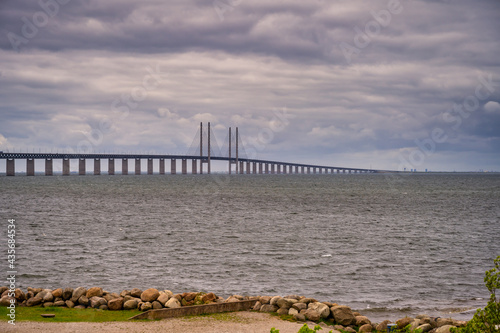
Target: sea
[388,245]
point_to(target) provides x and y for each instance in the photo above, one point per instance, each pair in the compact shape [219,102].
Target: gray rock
[284,303]
[362,320]
[70,304]
[146,306]
[299,306]
[157,305]
[292,311]
[322,309]
[34,301]
[424,328]
[445,329]
[130,304]
[365,327]
[83,300]
[265,299]
[268,308]
[343,315]
[96,302]
[77,293]
[299,317]
[257,306]
[274,300]
[282,311]
[163,298]
[136,292]
[67,293]
[173,303]
[312,315]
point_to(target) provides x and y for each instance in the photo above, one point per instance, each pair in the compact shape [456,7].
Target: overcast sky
[381,84]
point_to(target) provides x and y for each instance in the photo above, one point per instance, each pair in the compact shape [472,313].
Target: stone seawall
[301,308]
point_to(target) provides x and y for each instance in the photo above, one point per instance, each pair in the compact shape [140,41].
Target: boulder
[365,327]
[292,311]
[136,292]
[282,311]
[343,315]
[257,306]
[6,301]
[157,305]
[130,304]
[67,293]
[125,293]
[111,296]
[285,304]
[163,298]
[146,306]
[424,328]
[97,301]
[265,299]
[48,304]
[445,329]
[173,303]
[444,321]
[169,293]
[77,293]
[3,289]
[69,304]
[299,317]
[34,301]
[362,320]
[94,291]
[403,322]
[308,300]
[47,295]
[299,306]
[322,309]
[232,299]
[57,292]
[189,296]
[268,308]
[312,315]
[383,326]
[59,303]
[80,307]
[103,307]
[83,300]
[274,300]
[150,295]
[115,304]
[208,298]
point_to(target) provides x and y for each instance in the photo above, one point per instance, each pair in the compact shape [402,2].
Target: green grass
[67,315]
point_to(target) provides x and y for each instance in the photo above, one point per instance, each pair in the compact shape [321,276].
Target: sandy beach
[251,322]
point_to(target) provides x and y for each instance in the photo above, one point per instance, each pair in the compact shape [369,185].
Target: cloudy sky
[381,84]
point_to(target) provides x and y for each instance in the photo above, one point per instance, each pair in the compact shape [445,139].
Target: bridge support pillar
[125,166]
[248,168]
[11,167]
[150,166]
[308,170]
[137,166]
[193,167]
[278,169]
[267,168]
[49,170]
[285,169]
[242,166]
[260,168]
[30,167]
[184,166]
[320,171]
[111,166]
[273,166]
[82,167]
[173,166]
[97,166]
[254,168]
[162,166]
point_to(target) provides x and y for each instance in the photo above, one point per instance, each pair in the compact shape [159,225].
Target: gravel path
[251,322]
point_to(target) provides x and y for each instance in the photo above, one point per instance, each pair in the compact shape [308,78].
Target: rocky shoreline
[336,317]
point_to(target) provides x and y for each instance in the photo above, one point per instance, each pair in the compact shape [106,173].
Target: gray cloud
[400,84]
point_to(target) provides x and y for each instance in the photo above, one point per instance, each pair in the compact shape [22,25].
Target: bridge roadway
[243,165]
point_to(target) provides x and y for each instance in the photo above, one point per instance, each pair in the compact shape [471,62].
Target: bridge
[242,165]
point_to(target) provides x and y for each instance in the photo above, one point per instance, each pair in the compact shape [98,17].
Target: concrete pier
[111,166]
[97,166]
[162,166]
[124,166]
[66,170]
[242,167]
[267,168]
[260,168]
[11,167]
[30,167]
[184,167]
[173,167]
[49,170]
[320,171]
[248,168]
[278,169]
[81,167]
[308,170]
[194,165]
[150,166]
[273,169]
[137,166]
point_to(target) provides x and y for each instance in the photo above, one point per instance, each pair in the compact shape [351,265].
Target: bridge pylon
[207,158]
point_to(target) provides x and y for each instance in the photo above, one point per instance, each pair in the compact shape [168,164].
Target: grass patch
[67,315]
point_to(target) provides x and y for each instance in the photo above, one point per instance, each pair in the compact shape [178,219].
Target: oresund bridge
[243,165]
